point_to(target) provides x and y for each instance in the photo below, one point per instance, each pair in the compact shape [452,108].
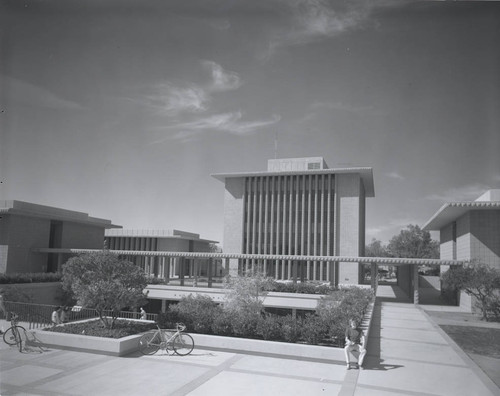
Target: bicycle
[181,343]
[12,335]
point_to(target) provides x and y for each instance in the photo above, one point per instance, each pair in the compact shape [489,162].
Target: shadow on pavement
[373,360]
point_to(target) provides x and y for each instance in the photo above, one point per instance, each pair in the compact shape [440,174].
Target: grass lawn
[479,340]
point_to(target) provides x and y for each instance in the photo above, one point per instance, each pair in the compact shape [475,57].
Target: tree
[376,249]
[244,300]
[104,282]
[413,243]
[478,280]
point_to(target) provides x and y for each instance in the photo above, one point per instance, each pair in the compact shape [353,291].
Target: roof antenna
[276,144]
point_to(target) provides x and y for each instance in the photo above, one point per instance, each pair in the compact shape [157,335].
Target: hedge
[30,277]
[325,326]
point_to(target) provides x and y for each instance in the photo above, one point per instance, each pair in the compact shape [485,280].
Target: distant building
[298,207]
[161,241]
[469,230]
[24,226]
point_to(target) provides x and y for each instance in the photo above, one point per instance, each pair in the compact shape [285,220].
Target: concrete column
[182,262]
[163,306]
[373,277]
[415,284]
[233,267]
[226,266]
[331,272]
[209,271]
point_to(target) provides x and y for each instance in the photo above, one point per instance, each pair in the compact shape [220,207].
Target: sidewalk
[407,355]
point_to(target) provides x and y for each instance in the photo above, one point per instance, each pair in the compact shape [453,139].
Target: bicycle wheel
[183,344]
[149,343]
[11,335]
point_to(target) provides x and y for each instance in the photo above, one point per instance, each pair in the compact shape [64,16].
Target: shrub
[222,324]
[337,308]
[30,277]
[291,328]
[313,329]
[196,312]
[269,327]
[303,288]
[478,280]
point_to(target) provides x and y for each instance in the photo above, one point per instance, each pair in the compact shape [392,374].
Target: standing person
[2,308]
[354,341]
[64,314]
[143,314]
[55,318]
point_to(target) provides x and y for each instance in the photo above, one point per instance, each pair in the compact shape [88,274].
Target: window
[313,165]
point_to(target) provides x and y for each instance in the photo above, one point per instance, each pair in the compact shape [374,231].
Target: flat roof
[366,174]
[451,211]
[164,234]
[28,209]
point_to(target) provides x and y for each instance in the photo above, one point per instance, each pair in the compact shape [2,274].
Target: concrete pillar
[294,271]
[182,262]
[163,306]
[233,267]
[331,272]
[209,271]
[226,266]
[415,284]
[374,277]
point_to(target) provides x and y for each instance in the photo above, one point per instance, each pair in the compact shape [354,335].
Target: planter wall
[127,345]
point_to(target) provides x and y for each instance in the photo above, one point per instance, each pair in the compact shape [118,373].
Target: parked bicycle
[168,339]
[13,335]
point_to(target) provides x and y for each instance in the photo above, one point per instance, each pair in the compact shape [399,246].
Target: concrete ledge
[76,342]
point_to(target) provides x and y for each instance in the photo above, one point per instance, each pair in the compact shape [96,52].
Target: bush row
[30,277]
[324,326]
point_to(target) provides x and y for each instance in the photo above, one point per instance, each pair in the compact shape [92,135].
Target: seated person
[355,341]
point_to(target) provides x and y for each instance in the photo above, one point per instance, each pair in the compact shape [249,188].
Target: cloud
[171,100]
[225,122]
[222,80]
[314,20]
[464,193]
[395,175]
[28,94]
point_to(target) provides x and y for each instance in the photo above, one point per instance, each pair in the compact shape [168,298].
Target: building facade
[162,241]
[25,226]
[469,230]
[298,207]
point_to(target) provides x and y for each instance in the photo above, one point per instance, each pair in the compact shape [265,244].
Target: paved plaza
[408,354]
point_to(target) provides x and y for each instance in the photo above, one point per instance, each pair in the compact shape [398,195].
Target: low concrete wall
[107,346]
[127,345]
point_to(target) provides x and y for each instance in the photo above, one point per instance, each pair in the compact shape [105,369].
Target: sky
[124,109]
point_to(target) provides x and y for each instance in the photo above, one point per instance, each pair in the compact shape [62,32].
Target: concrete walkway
[407,355]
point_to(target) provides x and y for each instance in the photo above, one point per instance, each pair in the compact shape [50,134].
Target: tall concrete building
[298,207]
